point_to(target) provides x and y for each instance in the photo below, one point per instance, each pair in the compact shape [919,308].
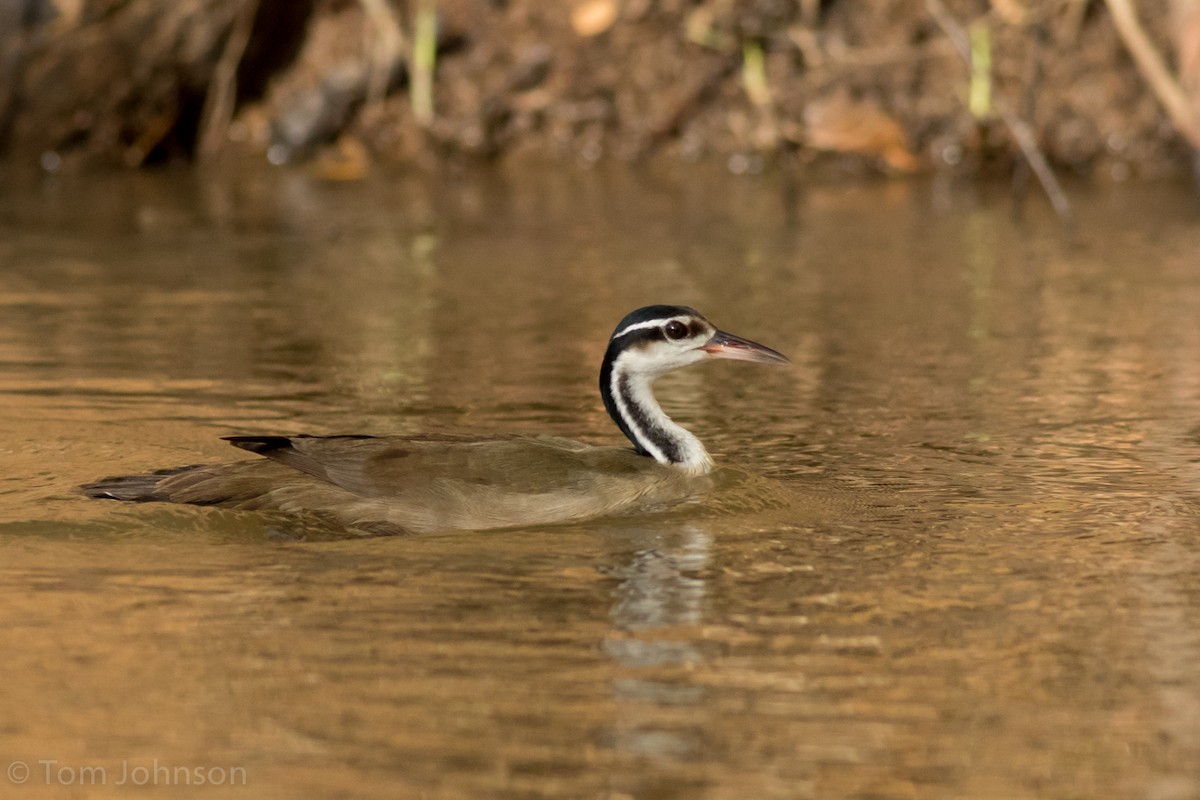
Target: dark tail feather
[270,445]
[134,488]
[259,444]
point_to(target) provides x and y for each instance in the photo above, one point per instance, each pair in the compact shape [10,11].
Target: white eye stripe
[641,326]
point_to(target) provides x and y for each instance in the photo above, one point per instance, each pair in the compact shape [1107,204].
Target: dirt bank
[860,85]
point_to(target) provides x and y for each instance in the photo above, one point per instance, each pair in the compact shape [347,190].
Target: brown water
[986,588]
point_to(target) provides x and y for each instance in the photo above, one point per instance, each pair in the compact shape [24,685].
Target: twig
[1033,81]
[221,99]
[1020,131]
[385,41]
[1170,94]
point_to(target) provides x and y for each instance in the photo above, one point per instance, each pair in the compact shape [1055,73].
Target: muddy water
[986,587]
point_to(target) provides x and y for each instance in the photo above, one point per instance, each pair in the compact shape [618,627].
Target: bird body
[392,484]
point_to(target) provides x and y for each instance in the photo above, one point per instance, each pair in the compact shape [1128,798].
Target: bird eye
[675,329]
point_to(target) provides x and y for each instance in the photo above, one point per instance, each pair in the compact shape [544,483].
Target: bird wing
[399,466]
[423,483]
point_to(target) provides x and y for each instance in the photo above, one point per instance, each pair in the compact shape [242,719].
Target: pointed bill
[726,345]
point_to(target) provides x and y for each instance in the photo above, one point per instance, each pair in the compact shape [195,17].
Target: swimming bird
[410,484]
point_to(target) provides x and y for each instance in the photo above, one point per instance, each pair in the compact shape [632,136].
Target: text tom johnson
[52,772]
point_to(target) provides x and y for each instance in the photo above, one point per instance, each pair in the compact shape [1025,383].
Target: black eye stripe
[661,331]
[639,337]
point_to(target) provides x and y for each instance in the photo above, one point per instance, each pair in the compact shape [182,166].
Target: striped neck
[630,402]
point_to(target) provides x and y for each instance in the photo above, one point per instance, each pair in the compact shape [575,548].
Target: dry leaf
[593,17]
[844,125]
[346,160]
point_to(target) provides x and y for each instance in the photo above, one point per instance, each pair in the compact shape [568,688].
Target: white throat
[648,425]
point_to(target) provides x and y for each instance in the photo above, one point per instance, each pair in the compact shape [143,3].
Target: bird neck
[629,399]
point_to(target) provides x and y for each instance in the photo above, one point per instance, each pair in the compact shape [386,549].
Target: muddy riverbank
[859,86]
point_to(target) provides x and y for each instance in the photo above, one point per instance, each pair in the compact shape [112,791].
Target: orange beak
[726,345]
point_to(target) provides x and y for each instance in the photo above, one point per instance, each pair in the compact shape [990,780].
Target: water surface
[986,587]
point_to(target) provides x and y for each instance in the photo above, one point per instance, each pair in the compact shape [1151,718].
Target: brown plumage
[399,484]
[419,483]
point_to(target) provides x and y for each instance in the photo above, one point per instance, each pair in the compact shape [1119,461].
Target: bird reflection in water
[662,586]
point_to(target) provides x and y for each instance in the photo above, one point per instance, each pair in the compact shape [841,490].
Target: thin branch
[1021,132]
[385,42]
[1164,85]
[221,99]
